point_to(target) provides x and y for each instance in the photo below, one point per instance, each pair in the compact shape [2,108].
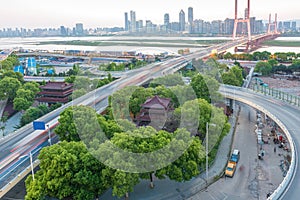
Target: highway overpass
[15,147]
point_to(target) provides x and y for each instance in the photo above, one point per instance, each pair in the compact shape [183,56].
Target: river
[33,44]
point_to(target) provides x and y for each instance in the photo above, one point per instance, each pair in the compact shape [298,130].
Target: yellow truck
[230,169]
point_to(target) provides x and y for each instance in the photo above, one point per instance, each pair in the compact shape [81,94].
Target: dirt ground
[290,86]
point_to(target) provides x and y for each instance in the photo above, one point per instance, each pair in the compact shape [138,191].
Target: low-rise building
[55,92]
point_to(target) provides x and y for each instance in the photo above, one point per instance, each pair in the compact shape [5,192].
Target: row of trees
[272,66]
[265,55]
[133,64]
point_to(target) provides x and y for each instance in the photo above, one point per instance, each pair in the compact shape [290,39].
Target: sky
[110,13]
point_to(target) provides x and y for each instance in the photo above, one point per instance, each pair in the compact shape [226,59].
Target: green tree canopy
[263,67]
[8,87]
[200,87]
[67,170]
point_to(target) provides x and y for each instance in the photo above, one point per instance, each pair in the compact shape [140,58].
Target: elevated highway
[15,147]
[287,117]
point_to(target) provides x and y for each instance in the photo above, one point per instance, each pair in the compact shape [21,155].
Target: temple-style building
[55,92]
[155,112]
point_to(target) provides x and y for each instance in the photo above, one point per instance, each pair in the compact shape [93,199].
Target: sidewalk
[11,123]
[168,189]
[2,106]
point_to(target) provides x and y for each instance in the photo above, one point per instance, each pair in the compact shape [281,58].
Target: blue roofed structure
[19,69]
[31,66]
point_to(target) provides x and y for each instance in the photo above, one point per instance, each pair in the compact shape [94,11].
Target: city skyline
[31,14]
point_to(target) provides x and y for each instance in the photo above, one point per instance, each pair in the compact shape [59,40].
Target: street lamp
[206,150]
[31,164]
[49,136]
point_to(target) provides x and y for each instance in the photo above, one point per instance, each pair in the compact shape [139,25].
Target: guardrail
[290,174]
[278,94]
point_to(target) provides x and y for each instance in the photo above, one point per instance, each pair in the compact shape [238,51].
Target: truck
[231,165]
[235,156]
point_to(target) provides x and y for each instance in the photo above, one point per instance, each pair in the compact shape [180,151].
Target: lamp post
[49,136]
[31,164]
[206,150]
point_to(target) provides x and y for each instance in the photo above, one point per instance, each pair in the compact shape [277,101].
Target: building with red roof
[55,92]
[156,111]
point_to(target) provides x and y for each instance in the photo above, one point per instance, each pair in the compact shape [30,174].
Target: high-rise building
[294,26]
[126,22]
[216,26]
[175,26]
[198,26]
[166,19]
[63,31]
[228,26]
[79,29]
[259,26]
[181,21]
[287,25]
[190,15]
[132,21]
[252,25]
[139,26]
[280,26]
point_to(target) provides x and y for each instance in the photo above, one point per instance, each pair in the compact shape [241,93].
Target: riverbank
[281,43]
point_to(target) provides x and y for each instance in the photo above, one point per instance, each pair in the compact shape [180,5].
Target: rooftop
[56,85]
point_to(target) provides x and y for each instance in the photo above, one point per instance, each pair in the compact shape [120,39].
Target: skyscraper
[190,15]
[166,19]
[181,21]
[79,29]
[126,22]
[132,21]
[63,31]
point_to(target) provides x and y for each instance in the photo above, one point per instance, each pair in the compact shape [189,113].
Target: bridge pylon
[245,20]
[272,24]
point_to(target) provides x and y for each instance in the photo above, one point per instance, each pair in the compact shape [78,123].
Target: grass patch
[282,43]
[139,42]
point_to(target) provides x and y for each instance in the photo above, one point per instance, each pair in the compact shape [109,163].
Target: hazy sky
[109,13]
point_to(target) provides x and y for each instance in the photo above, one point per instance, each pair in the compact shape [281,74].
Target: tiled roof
[57,85]
[156,102]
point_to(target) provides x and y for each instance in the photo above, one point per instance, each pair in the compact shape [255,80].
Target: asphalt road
[289,116]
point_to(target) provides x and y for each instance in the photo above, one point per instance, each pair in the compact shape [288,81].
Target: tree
[229,78]
[273,62]
[263,67]
[21,104]
[9,87]
[123,182]
[67,171]
[200,87]
[228,55]
[3,121]
[82,123]
[82,83]
[32,86]
[187,165]
[168,80]
[30,115]
[12,74]
[78,93]
[7,65]
[238,73]
[138,97]
[25,97]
